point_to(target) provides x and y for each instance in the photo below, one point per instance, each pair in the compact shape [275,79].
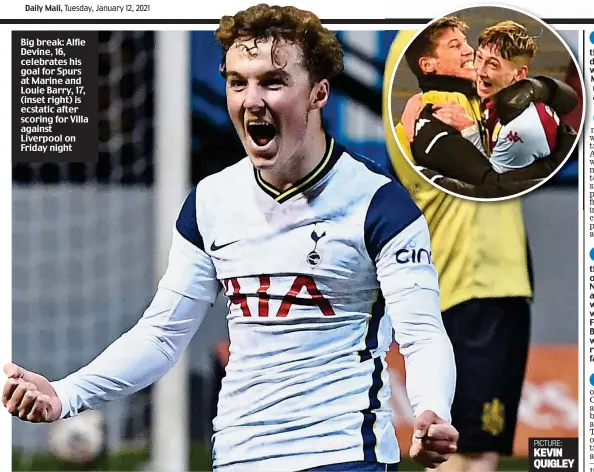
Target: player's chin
[485,92]
[262,164]
[466,73]
[262,156]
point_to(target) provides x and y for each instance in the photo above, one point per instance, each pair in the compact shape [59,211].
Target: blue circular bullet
[592,253]
[592,380]
[592,37]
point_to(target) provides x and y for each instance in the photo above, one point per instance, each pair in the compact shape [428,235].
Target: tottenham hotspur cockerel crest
[314,258]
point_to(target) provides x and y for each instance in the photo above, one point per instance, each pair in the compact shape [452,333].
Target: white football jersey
[306,272]
[529,136]
[317,278]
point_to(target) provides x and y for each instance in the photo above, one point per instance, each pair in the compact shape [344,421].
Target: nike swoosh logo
[214,247]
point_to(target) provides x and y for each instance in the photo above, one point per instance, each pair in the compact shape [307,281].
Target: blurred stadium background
[84,252]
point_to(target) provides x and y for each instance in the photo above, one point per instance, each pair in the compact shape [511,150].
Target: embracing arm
[502,189]
[513,100]
[443,149]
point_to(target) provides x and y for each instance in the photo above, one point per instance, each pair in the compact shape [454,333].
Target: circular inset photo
[486,103]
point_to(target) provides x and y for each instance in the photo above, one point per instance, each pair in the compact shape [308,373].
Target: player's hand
[434,440]
[453,114]
[411,113]
[30,396]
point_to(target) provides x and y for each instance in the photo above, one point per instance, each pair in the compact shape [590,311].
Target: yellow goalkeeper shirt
[479,248]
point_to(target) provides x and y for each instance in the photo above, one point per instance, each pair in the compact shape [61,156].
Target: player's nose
[480,69]
[253,99]
[468,50]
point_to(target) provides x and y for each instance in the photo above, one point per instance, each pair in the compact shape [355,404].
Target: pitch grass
[199,461]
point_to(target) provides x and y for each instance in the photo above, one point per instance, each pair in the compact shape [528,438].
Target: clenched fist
[30,396]
[434,440]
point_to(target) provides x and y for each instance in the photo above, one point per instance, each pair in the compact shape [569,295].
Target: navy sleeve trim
[390,211]
[373,166]
[187,224]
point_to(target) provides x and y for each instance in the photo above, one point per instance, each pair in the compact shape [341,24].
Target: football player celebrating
[321,256]
[521,128]
[518,137]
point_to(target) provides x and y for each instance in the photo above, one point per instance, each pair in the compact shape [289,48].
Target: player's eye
[236,83]
[273,83]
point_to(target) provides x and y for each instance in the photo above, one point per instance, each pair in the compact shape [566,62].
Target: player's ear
[522,73]
[319,95]
[427,64]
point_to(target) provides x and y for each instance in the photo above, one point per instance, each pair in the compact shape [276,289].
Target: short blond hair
[511,40]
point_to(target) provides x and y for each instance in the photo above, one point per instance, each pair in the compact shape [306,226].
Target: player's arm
[138,358]
[442,148]
[514,151]
[394,228]
[455,115]
[143,354]
[520,141]
[513,100]
[458,187]
[524,139]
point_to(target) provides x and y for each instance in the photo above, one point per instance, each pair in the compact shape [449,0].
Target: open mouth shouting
[484,86]
[261,135]
[261,132]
